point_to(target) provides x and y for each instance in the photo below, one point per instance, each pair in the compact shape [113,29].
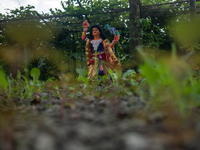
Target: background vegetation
[54,46]
[63,34]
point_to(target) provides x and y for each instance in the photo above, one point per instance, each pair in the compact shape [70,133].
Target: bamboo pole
[134,33]
[192,8]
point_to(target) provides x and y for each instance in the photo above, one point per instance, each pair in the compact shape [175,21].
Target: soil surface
[89,122]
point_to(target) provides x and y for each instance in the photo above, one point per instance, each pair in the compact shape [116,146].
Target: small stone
[136,141]
[157,116]
[45,142]
[36,100]
[89,98]
[75,145]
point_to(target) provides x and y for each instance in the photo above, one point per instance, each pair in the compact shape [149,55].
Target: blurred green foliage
[63,34]
[169,80]
[187,33]
[3,83]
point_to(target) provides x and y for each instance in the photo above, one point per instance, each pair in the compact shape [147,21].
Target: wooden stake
[192,8]
[134,33]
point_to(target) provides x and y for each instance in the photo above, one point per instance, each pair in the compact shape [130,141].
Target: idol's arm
[116,38]
[85,25]
[112,44]
[84,33]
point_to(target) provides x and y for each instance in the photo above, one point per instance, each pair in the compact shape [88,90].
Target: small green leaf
[3,81]
[19,75]
[35,73]
[81,72]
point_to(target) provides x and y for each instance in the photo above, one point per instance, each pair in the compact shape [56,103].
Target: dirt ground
[94,123]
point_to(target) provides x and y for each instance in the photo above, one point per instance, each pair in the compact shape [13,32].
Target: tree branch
[85,15]
[43,20]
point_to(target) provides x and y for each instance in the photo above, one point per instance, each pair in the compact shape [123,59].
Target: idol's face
[95,32]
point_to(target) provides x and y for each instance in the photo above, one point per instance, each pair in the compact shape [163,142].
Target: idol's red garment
[109,60]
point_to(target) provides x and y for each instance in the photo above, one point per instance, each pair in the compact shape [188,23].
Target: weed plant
[21,86]
[168,80]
